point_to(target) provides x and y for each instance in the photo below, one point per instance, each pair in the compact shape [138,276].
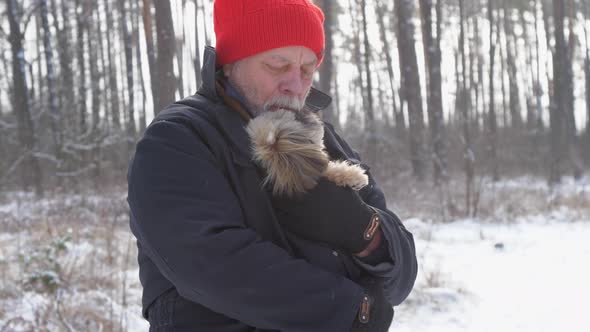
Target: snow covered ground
[532,274]
[67,263]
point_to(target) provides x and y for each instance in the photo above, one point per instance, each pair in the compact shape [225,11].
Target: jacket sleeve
[399,272]
[190,224]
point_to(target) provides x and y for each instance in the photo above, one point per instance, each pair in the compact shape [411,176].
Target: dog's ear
[346,174]
[291,151]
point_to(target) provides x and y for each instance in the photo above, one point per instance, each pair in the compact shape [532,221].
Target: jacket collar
[316,100]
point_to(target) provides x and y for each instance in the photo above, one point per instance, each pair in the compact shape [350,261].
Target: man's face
[278,78]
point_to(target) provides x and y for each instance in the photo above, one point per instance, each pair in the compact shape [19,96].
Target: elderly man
[214,254]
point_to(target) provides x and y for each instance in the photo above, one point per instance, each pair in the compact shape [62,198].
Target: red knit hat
[247,27]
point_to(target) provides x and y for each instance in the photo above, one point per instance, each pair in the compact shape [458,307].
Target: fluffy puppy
[289,146]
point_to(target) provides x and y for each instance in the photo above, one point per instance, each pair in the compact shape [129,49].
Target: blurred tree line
[435,88]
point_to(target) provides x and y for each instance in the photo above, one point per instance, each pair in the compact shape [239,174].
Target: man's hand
[375,313]
[331,214]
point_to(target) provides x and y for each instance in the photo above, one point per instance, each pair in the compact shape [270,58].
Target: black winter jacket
[205,226]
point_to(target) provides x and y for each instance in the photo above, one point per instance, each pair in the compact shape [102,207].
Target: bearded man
[220,252]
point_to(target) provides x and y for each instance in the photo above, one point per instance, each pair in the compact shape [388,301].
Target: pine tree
[166,46]
[411,84]
[432,55]
[326,69]
[30,174]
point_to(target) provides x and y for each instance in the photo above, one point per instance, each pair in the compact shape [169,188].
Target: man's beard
[283,102]
[307,118]
[274,103]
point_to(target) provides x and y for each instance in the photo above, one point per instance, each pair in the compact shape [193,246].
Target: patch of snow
[526,276]
[568,184]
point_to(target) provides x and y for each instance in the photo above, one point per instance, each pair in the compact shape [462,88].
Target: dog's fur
[289,146]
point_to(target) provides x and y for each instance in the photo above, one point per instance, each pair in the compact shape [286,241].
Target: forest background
[472,110]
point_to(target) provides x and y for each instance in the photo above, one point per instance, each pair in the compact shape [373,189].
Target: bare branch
[13,167]
[48,157]
[7,125]
[29,15]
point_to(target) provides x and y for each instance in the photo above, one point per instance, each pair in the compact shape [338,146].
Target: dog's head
[289,146]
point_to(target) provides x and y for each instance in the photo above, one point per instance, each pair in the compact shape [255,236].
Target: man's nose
[292,84]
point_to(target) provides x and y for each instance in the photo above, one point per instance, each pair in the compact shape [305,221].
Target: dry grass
[504,201]
[68,263]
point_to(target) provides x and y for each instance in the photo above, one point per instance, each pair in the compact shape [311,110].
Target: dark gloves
[376,313]
[330,214]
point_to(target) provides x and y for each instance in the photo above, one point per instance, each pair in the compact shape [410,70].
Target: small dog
[289,146]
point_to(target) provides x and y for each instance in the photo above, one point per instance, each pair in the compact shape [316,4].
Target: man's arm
[399,267]
[191,226]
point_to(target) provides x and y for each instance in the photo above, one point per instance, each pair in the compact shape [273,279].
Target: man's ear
[227,69]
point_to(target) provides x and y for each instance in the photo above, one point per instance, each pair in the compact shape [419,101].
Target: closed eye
[307,73]
[276,69]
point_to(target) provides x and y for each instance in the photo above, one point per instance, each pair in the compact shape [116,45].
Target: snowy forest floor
[68,262]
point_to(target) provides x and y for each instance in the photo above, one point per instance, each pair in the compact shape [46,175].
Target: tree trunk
[545,8]
[138,56]
[558,144]
[66,91]
[39,49]
[537,86]
[207,39]
[571,131]
[55,118]
[82,23]
[473,85]
[587,71]
[30,174]
[463,94]
[336,97]
[381,106]
[357,83]
[166,43]
[505,98]
[326,69]
[381,10]
[197,49]
[93,42]
[131,128]
[112,70]
[514,102]
[587,75]
[411,79]
[180,55]
[105,100]
[492,119]
[151,53]
[432,56]
[531,121]
[479,89]
[401,119]
[4,63]
[370,109]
